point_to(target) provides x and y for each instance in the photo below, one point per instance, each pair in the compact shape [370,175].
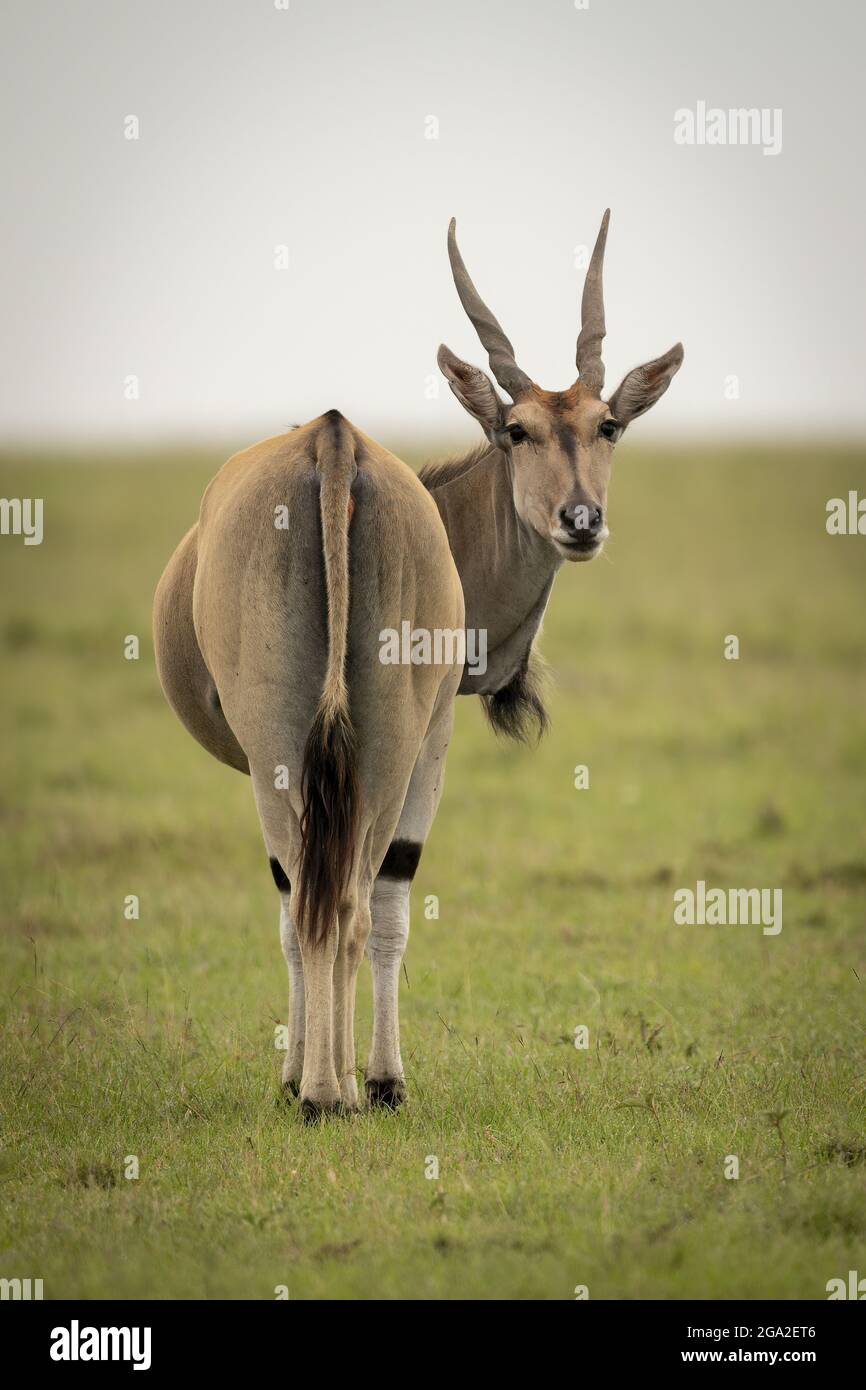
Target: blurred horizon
[404,443]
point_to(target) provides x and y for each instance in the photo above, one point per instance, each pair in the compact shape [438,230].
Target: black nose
[582,521]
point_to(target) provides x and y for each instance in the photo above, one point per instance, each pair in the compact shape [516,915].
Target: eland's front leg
[384,1079]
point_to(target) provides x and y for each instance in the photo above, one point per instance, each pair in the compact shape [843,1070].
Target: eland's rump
[267,628]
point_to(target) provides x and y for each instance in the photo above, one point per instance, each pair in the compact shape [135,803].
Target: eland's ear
[643,386]
[474,390]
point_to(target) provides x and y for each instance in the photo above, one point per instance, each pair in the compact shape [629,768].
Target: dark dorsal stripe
[401,861]
[279,877]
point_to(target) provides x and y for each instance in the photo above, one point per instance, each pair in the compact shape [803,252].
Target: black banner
[227,1338]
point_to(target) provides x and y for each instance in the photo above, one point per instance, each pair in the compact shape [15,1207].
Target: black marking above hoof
[401,859]
[279,876]
[290,1090]
[387,1094]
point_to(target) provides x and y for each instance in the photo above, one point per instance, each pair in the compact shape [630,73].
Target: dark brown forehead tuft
[563,402]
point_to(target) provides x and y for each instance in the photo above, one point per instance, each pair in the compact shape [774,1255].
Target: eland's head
[559,443]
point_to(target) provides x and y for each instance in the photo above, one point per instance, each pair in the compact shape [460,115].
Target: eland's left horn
[589,364]
[500,353]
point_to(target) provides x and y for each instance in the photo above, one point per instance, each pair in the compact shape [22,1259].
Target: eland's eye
[516,433]
[610,429]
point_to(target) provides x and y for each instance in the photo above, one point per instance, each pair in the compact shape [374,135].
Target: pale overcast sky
[307,127]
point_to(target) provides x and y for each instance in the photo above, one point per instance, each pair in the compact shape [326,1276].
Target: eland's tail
[329,787]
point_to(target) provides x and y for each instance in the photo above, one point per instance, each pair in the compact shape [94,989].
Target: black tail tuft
[329,824]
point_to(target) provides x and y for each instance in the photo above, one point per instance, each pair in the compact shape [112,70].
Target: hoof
[312,1111]
[293,1070]
[387,1094]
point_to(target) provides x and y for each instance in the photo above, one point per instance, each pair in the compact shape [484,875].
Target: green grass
[556,1167]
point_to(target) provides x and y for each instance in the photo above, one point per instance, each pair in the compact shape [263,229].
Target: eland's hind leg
[293,1065]
[355,923]
[309,1065]
[320,1086]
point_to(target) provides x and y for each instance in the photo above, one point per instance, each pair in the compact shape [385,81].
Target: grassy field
[558,1167]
